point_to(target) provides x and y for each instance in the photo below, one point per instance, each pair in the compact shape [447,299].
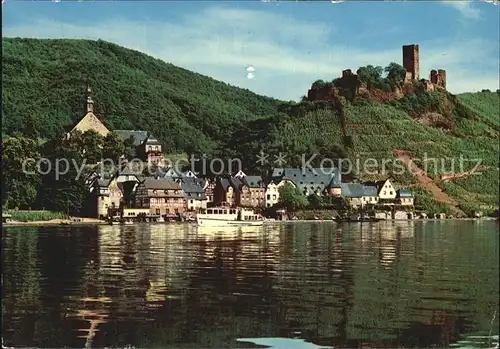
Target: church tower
[89,104]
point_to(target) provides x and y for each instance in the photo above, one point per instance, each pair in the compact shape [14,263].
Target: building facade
[161,196]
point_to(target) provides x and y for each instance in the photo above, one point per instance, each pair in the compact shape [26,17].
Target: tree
[370,75]
[395,72]
[21,179]
[112,147]
[64,187]
[92,145]
[291,197]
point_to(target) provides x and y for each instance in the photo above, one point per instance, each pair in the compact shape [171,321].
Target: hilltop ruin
[349,84]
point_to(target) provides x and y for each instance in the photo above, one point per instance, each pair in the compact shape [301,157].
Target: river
[294,285]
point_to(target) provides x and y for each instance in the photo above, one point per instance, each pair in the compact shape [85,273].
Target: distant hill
[44,85]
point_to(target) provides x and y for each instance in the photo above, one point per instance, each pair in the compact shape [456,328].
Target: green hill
[44,85]
[45,80]
[433,129]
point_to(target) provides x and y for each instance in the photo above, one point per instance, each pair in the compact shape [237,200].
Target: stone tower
[438,78]
[411,62]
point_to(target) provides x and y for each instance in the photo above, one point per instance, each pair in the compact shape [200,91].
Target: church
[146,144]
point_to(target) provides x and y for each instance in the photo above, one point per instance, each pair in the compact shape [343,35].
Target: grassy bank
[32,216]
[310,214]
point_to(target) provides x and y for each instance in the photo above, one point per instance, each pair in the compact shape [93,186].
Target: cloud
[466,9]
[222,42]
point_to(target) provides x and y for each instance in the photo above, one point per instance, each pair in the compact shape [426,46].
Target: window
[274,197]
[166,200]
[190,201]
[390,192]
[385,192]
[157,211]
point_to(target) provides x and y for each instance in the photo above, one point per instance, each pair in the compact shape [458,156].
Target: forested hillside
[44,84]
[43,92]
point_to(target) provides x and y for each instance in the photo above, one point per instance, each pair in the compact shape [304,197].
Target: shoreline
[89,221]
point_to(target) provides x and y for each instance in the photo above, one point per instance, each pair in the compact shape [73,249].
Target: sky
[289,44]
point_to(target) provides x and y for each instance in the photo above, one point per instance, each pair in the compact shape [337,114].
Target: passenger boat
[228,216]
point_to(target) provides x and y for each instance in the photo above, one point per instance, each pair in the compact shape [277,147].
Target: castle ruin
[411,63]
[348,85]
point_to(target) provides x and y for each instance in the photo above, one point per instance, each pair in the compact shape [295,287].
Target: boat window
[225,212]
[209,211]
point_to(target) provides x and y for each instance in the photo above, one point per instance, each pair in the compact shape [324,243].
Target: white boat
[227,216]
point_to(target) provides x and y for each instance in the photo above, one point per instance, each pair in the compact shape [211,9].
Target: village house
[404,197]
[194,193]
[252,192]
[208,187]
[319,181]
[162,197]
[150,151]
[225,189]
[272,193]
[359,195]
[385,191]
[106,198]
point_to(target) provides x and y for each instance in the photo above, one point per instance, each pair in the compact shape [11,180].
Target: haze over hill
[44,83]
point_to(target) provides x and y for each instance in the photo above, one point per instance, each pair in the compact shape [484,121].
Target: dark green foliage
[112,147]
[45,81]
[372,76]
[21,179]
[291,197]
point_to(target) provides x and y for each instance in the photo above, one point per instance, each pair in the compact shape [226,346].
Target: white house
[386,190]
[272,194]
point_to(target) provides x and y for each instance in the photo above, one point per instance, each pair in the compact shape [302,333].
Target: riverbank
[78,221]
[93,221]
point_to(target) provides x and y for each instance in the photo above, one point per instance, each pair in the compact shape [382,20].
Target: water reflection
[388,284]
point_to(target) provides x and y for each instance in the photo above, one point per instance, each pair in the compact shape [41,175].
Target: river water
[297,285]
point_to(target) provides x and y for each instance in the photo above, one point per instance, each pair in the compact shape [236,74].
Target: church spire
[90,102]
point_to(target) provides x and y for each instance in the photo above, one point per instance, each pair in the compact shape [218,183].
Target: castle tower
[89,104]
[434,77]
[442,78]
[411,61]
